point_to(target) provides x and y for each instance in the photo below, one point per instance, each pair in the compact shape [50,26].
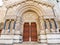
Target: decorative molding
[18,3]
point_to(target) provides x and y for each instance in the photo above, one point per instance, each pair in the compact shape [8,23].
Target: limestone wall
[11,12]
[48,10]
[2,13]
[57,11]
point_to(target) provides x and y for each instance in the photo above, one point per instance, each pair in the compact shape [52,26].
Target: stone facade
[45,13]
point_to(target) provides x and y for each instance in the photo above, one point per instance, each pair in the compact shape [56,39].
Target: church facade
[29,22]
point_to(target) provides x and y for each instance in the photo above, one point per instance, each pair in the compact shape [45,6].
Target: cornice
[19,3]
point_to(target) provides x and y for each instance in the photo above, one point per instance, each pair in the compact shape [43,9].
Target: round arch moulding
[34,7]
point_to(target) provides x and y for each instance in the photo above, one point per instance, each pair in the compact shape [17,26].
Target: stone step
[6,44]
[43,37]
[30,44]
[10,39]
[43,41]
[6,41]
[17,39]
[7,37]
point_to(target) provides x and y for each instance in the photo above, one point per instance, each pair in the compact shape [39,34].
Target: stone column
[48,26]
[11,26]
[38,31]
[4,27]
[53,26]
[43,38]
[18,30]
[7,25]
[57,26]
[17,26]
[42,31]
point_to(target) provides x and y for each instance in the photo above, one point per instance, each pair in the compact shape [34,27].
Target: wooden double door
[30,31]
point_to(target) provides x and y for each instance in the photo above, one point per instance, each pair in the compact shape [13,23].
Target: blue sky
[1,2]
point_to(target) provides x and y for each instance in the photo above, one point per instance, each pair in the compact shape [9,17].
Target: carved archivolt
[30,6]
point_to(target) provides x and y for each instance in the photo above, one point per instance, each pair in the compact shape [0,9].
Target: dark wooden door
[30,31]
[33,31]
[26,32]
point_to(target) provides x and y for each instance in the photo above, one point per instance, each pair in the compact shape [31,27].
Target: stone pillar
[43,38]
[38,31]
[4,27]
[48,26]
[57,27]
[7,25]
[45,24]
[42,31]
[11,26]
[17,26]
[53,26]
[18,31]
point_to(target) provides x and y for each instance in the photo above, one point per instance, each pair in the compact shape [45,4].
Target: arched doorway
[30,26]
[27,14]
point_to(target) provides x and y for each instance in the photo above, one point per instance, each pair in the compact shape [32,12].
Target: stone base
[6,44]
[54,44]
[30,44]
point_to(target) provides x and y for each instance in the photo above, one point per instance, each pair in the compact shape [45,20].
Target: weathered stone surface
[14,13]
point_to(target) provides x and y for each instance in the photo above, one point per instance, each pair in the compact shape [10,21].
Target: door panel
[26,32]
[33,31]
[30,31]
